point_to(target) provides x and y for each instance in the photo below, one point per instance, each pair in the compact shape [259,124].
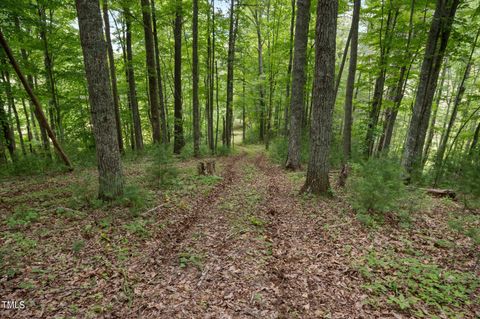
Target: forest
[240,159]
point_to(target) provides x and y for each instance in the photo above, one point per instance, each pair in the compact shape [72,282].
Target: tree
[113,75]
[230,64]
[195,102]
[42,119]
[151,70]
[438,36]
[100,97]
[179,141]
[348,108]
[317,181]
[163,113]
[298,84]
[132,91]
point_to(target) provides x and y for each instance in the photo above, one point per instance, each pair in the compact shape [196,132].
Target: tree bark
[113,76]
[434,52]
[317,181]
[151,69]
[298,84]
[179,141]
[94,50]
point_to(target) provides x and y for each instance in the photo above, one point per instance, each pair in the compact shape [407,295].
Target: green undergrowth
[417,286]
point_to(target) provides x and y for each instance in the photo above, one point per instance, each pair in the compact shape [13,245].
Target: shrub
[376,188]
[278,150]
[223,150]
[468,184]
[162,172]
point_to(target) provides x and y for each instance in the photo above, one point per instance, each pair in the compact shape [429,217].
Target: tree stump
[206,168]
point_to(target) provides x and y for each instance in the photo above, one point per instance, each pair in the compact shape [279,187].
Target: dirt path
[248,250]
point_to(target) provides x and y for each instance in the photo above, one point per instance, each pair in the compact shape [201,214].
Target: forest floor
[243,244]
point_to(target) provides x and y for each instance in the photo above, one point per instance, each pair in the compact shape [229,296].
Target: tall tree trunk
[113,76]
[348,107]
[211,75]
[317,181]
[261,76]
[289,69]
[132,90]
[458,99]
[230,67]
[474,144]
[151,69]
[94,49]
[380,82]
[391,112]
[50,81]
[434,52]
[162,104]
[13,107]
[179,141]
[7,132]
[433,121]
[298,84]
[29,128]
[217,126]
[195,102]
[244,125]
[342,64]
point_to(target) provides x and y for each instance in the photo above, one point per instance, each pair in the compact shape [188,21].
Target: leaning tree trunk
[100,97]
[434,52]
[42,119]
[298,84]
[348,107]
[152,75]
[132,91]
[317,181]
[113,76]
[179,141]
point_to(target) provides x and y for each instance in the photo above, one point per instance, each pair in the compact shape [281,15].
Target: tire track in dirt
[309,273]
[232,281]
[168,240]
